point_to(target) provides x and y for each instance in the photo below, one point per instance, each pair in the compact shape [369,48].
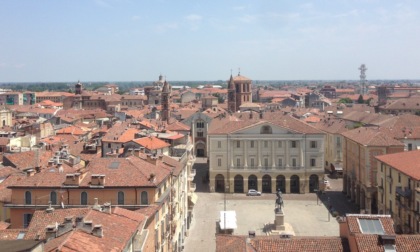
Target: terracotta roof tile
[386,221]
[410,166]
[403,243]
[4,225]
[371,137]
[151,143]
[10,234]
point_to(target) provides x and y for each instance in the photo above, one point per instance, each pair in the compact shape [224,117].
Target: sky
[130,40]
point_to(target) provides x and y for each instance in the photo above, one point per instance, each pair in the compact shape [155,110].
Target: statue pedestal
[279,220]
[280,227]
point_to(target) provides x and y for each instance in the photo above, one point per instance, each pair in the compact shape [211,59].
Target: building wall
[229,159]
[403,210]
[5,118]
[71,197]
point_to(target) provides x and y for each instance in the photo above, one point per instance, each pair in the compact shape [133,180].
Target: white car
[253,192]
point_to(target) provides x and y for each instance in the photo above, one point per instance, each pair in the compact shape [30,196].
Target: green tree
[345,100]
[360,99]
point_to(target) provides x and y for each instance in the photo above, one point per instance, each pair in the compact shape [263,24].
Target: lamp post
[328,208]
[316,194]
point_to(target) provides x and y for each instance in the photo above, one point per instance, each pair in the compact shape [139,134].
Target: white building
[266,153]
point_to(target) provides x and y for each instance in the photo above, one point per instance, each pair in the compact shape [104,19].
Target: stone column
[287,185]
[259,184]
[232,164]
[246,184]
[302,154]
[273,155]
[286,154]
[245,154]
[259,154]
[273,184]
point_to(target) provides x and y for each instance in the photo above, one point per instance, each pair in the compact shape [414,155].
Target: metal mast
[362,69]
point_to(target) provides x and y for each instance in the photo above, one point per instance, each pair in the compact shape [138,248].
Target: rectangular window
[200,125]
[293,162]
[399,177]
[200,134]
[279,144]
[219,144]
[390,207]
[219,162]
[313,162]
[313,144]
[280,162]
[238,144]
[238,162]
[252,143]
[293,143]
[265,144]
[266,162]
[410,146]
[252,162]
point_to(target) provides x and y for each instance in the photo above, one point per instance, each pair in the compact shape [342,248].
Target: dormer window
[266,130]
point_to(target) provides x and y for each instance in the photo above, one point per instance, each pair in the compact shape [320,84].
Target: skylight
[114,165]
[371,226]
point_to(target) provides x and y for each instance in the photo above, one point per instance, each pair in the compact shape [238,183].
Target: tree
[345,100]
[360,99]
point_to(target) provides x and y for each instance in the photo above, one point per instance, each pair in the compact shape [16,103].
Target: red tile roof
[233,243]
[354,227]
[151,143]
[403,243]
[371,137]
[410,166]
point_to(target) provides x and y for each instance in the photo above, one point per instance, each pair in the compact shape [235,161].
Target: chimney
[87,226]
[251,234]
[50,232]
[106,208]
[50,209]
[136,152]
[160,157]
[97,231]
[151,159]
[79,221]
[96,205]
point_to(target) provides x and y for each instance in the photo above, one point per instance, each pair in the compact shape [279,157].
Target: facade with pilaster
[360,148]
[267,154]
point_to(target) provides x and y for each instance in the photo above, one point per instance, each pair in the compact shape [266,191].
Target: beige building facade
[266,155]
[399,189]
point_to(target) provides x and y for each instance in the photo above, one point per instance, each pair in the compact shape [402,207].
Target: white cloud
[135,17]
[102,3]
[194,18]
[20,65]
[248,19]
[166,27]
[239,8]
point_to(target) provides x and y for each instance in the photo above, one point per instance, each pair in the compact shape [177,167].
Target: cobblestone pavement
[307,213]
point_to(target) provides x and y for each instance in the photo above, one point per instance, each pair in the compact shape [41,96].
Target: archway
[220,183]
[200,149]
[252,182]
[238,184]
[294,184]
[266,184]
[281,183]
[313,183]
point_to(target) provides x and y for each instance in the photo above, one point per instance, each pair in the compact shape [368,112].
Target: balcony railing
[271,168]
[404,192]
[192,187]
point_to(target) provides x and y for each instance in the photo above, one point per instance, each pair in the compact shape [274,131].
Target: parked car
[253,192]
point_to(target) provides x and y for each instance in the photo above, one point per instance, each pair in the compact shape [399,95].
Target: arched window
[120,198]
[266,130]
[83,198]
[144,198]
[53,198]
[28,198]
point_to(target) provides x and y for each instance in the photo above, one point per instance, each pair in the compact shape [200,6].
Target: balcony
[191,175]
[192,187]
[406,192]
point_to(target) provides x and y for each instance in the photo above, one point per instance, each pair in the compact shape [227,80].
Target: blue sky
[128,40]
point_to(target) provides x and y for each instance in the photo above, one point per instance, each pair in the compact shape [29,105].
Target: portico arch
[252,182]
[294,184]
[220,183]
[281,183]
[313,183]
[238,184]
[266,184]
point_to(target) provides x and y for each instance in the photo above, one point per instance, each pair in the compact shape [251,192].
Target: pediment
[264,128]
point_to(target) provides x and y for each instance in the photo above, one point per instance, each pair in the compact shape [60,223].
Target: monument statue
[279,200]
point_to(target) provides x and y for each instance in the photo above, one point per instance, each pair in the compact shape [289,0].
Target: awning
[193,198]
[227,220]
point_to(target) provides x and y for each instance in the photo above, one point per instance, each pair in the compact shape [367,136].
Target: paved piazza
[253,213]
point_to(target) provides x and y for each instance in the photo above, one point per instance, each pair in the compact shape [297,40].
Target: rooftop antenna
[362,69]
[239,71]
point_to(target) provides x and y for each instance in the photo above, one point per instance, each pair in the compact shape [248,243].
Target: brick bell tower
[231,95]
[166,92]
